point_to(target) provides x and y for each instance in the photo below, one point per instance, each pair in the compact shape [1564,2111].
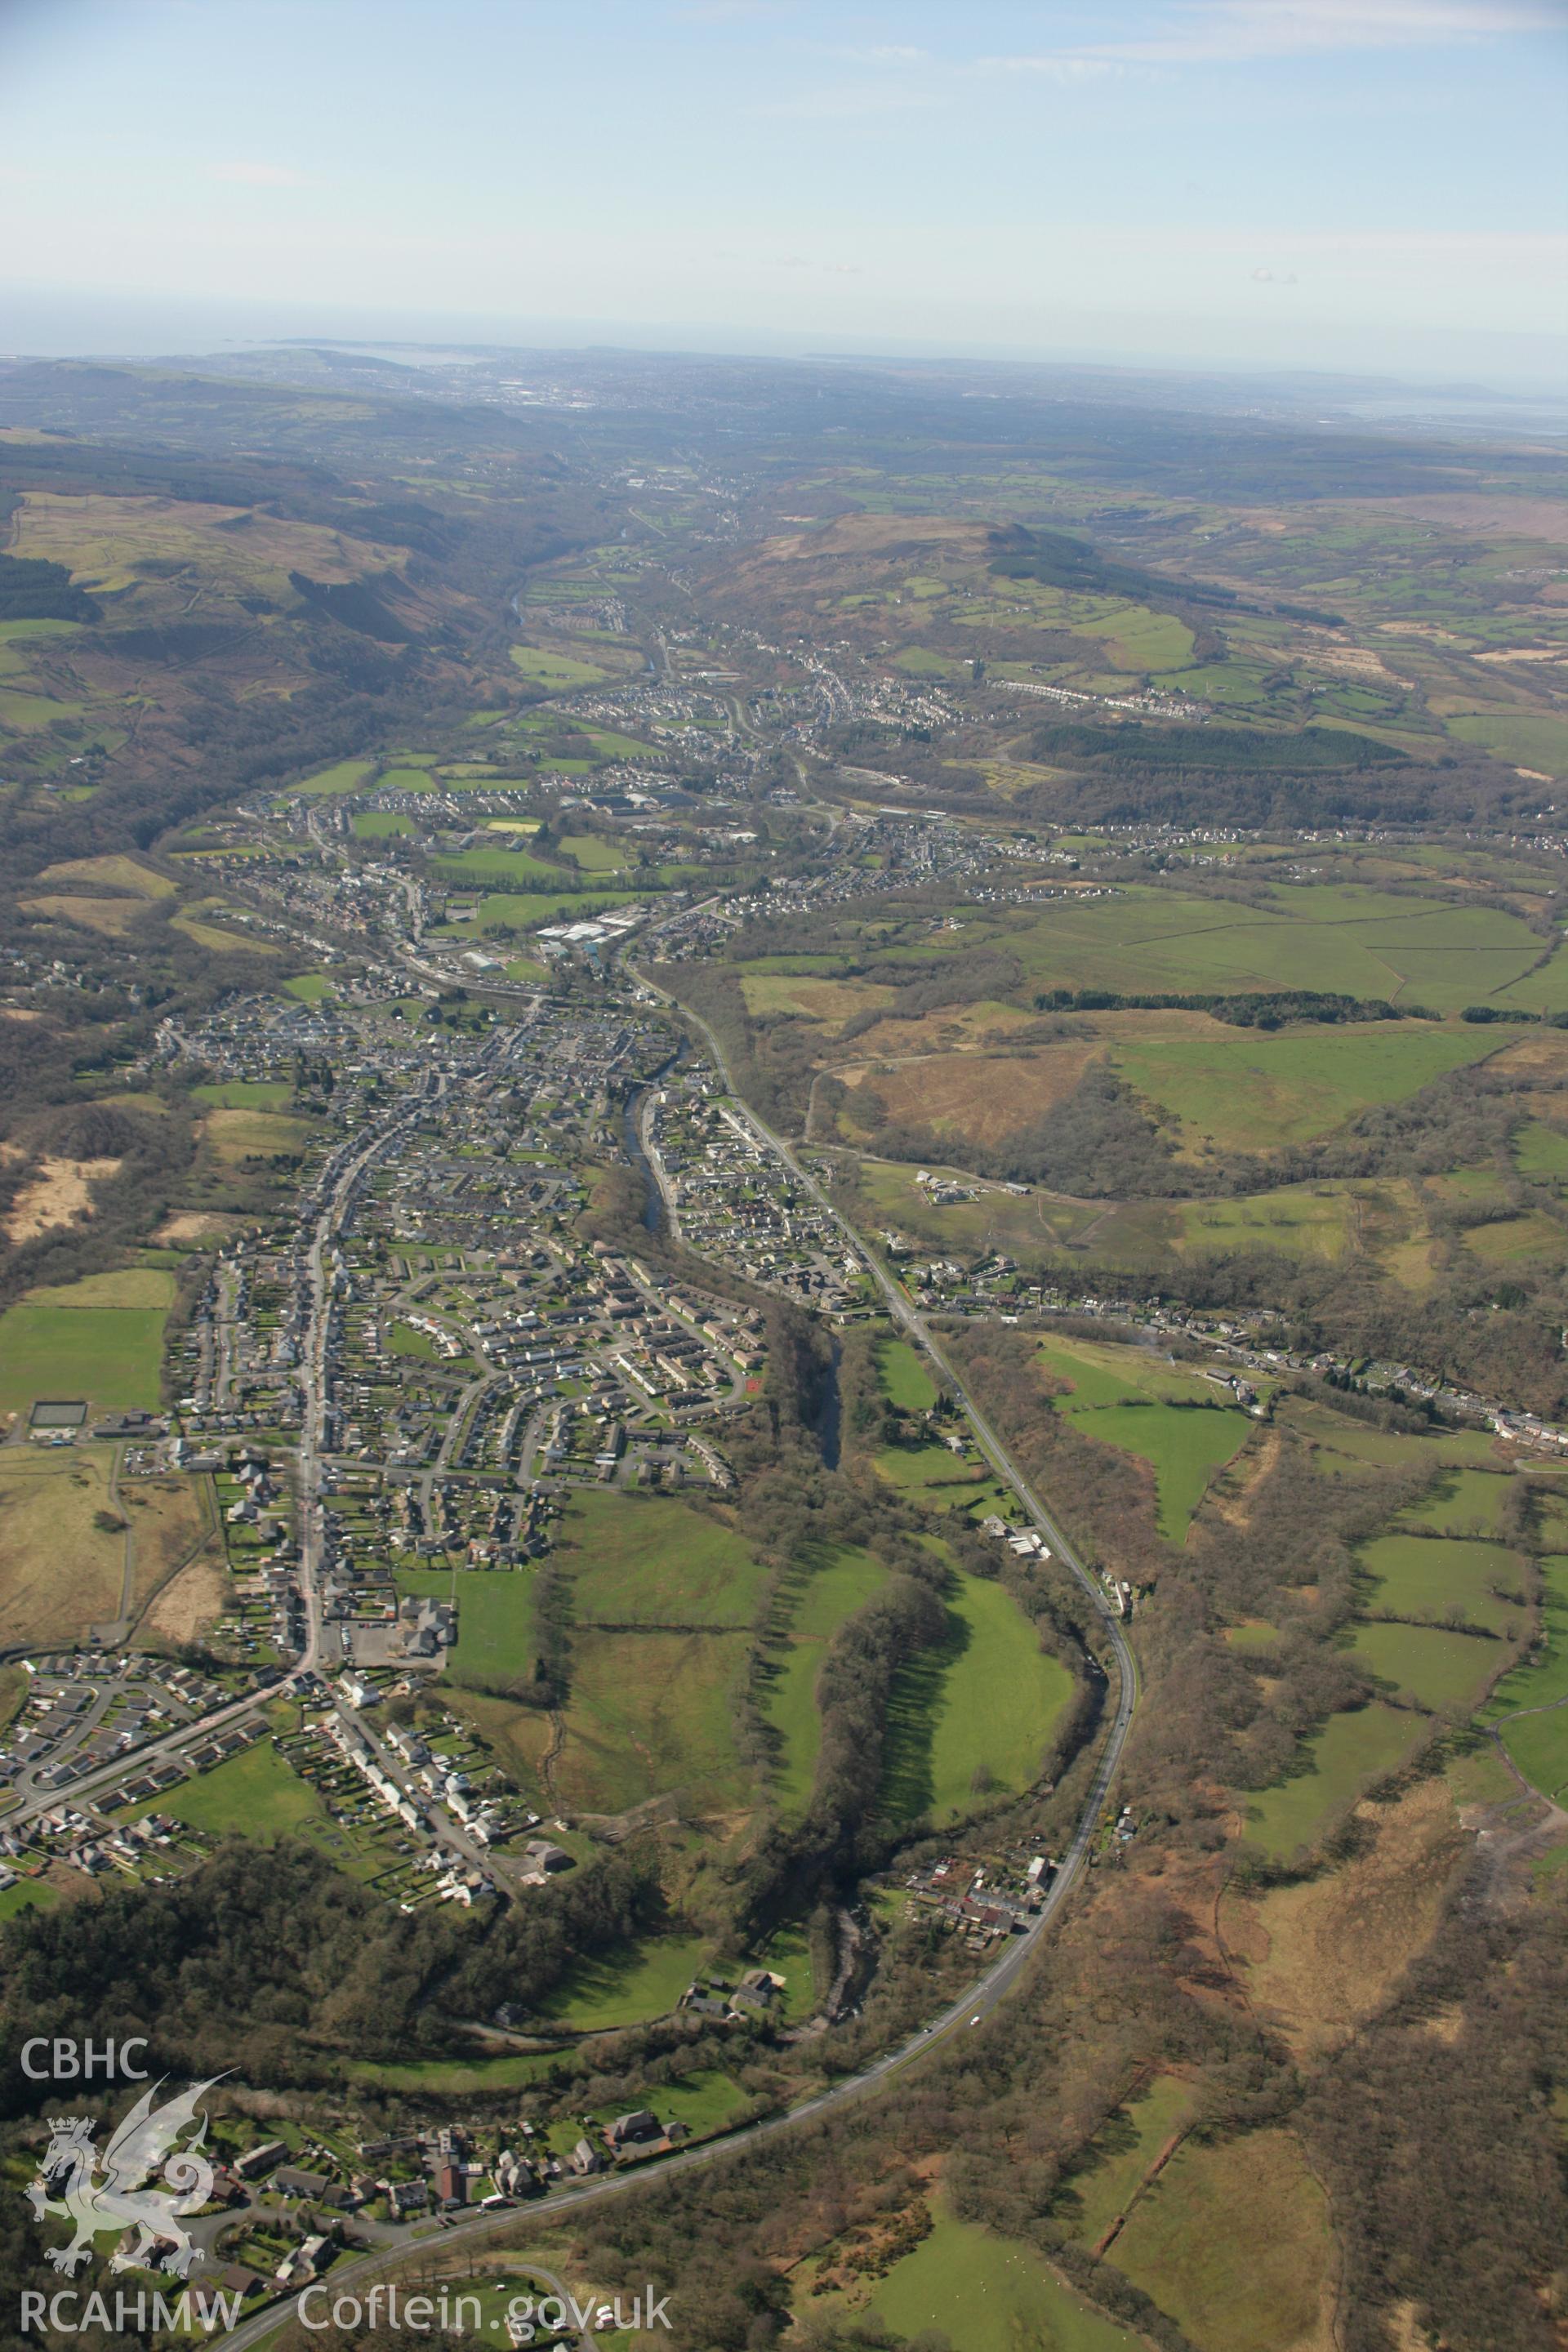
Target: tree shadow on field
[909,1790]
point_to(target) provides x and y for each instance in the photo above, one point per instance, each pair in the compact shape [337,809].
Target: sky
[1361,184]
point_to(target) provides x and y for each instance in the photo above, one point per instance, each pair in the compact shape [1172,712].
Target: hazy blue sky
[1373,183]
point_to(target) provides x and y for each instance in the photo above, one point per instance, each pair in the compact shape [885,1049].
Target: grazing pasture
[987,2293]
[113,917]
[649,1710]
[1340,1760]
[639,1559]
[1111,2169]
[975,1716]
[115,872]
[1534,739]
[652,1714]
[245,1094]
[59,1573]
[1346,937]
[1438,1669]
[1466,1503]
[253,1794]
[1167,1417]
[839,1583]
[625,1987]
[1320,1220]
[497,1641]
[1233,2240]
[557,672]
[343,776]
[240,1133]
[112,544]
[1431,1577]
[903,1378]
[102,1339]
[1257,1091]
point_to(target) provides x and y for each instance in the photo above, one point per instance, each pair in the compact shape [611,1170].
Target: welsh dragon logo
[98,2193]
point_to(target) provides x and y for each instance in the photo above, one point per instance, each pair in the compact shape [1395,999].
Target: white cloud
[1217,32]
[888,53]
[724,12]
[260,175]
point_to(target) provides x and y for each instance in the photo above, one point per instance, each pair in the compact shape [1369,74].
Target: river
[653,1199]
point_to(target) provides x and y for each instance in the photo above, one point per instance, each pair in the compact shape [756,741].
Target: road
[961,2016]
[316,1366]
[997,1980]
[908,1316]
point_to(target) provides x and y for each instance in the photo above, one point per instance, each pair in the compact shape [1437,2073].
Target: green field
[520,910]
[933,1473]
[1541,1679]
[381,824]
[254,1794]
[975,1716]
[903,1378]
[128,1287]
[515,867]
[14,632]
[987,2293]
[1334,1434]
[843,1583]
[1344,937]
[1160,1412]
[496,1641]
[704,2102]
[1259,1092]
[1141,639]
[309,987]
[100,1339]
[1350,1751]
[651,1712]
[1112,2167]
[920,661]
[1438,1669]
[1233,2241]
[1428,1575]
[246,1094]
[404,1339]
[1542,1152]
[27,1895]
[1530,739]
[453,2076]
[628,1986]
[643,1560]
[1466,1503]
[345,777]
[1538,1746]
[556,671]
[593,853]
[1297,1220]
